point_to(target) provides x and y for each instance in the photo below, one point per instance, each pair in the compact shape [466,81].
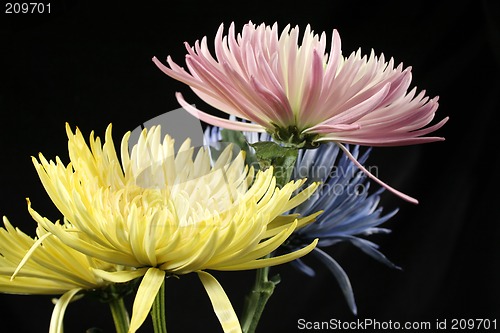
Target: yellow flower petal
[56,321]
[262,249]
[145,297]
[273,261]
[120,276]
[301,197]
[282,222]
[221,304]
[28,254]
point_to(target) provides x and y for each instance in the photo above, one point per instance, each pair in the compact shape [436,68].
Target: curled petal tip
[380,182]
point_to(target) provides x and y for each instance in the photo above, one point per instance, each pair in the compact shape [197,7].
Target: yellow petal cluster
[52,268]
[167,212]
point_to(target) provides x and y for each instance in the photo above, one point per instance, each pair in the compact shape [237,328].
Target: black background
[90,64]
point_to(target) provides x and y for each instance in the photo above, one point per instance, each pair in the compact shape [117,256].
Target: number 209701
[27,8]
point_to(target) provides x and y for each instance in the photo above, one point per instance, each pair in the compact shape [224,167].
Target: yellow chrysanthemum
[165,213]
[53,268]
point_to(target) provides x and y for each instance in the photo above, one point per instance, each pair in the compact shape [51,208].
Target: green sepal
[292,136]
[114,291]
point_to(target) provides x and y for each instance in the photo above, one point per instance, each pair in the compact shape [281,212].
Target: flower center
[292,136]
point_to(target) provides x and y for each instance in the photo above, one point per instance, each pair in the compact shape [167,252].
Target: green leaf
[239,139]
[284,166]
[267,150]
[281,158]
[235,137]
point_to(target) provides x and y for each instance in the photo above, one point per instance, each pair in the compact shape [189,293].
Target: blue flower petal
[340,275]
[301,266]
[371,249]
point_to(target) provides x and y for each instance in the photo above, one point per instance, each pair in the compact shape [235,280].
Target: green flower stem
[256,300]
[120,315]
[283,161]
[158,311]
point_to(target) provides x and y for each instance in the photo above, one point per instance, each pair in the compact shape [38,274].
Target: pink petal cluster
[282,86]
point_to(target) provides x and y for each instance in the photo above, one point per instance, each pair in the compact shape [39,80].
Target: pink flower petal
[216,121]
[370,175]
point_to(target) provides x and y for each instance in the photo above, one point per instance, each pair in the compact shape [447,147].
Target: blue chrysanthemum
[349,210]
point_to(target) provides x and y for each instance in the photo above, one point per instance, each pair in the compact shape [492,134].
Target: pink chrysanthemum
[302,95]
